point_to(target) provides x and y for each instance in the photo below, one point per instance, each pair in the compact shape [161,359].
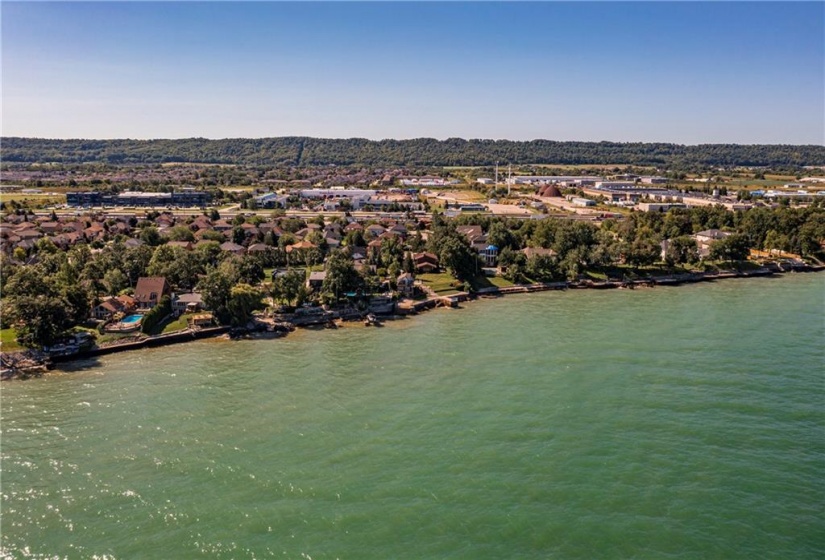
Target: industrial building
[188,198]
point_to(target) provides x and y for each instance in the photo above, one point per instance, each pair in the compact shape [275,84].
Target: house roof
[300,245]
[425,257]
[470,231]
[713,233]
[191,297]
[534,251]
[148,285]
[231,247]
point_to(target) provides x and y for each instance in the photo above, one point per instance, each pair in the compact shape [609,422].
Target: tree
[215,288]
[115,281]
[181,233]
[243,300]
[209,253]
[44,319]
[78,303]
[541,267]
[19,254]
[355,238]
[212,235]
[29,281]
[457,255]
[409,264]
[135,262]
[46,245]
[681,250]
[157,314]
[341,275]
[289,287]
[151,236]
[179,266]
[238,235]
[250,270]
[776,240]
[501,236]
[643,251]
[732,248]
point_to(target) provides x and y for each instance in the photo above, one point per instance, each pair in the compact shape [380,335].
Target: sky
[684,72]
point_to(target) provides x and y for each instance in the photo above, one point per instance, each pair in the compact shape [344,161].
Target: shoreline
[36,368]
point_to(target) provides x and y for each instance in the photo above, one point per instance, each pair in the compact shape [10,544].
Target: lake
[680,422]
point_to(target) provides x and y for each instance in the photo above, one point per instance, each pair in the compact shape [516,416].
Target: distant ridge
[295,150]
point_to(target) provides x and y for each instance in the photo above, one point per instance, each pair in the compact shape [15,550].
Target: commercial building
[139,198]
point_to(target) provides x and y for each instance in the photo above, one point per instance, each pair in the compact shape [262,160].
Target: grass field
[755,183]
[8,342]
[440,282]
[481,282]
[179,324]
[40,199]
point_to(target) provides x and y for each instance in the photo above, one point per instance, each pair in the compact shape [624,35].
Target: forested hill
[418,152]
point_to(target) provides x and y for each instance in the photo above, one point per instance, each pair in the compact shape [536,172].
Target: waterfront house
[186,303]
[425,262]
[470,232]
[406,284]
[316,280]
[150,290]
[537,251]
[110,306]
[489,254]
[704,240]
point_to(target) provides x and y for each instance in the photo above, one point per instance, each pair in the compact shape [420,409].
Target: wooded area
[417,152]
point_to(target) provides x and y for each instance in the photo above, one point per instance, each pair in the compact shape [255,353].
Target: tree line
[416,152]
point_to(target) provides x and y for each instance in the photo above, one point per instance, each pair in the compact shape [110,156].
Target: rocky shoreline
[24,365]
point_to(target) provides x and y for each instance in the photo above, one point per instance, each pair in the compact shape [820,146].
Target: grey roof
[190,298]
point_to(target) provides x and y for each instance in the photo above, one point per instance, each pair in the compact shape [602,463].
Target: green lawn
[440,283]
[8,342]
[106,338]
[480,282]
[179,324]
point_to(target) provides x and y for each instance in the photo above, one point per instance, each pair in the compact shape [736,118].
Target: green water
[665,423]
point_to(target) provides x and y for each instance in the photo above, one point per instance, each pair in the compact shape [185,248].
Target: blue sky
[687,72]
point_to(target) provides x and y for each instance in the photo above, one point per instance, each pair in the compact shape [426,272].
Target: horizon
[677,73]
[89,139]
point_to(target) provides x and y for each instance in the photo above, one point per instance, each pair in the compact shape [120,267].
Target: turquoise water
[662,423]
[131,319]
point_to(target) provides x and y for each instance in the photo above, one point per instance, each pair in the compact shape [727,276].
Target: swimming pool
[131,319]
